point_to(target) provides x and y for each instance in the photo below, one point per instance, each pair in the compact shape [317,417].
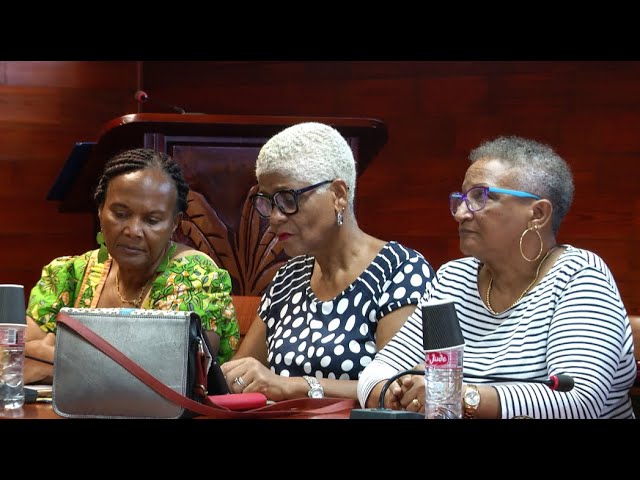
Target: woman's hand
[413,392]
[249,375]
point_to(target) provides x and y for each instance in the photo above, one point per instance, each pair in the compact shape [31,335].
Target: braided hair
[139,159]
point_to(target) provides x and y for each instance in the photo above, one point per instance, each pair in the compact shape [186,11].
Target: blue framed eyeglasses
[476,197]
[285,200]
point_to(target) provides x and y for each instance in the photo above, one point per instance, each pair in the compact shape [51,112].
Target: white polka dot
[297,322]
[296,310]
[302,346]
[307,368]
[315,324]
[288,358]
[325,361]
[350,323]
[328,338]
[339,350]
[315,336]
[354,346]
[356,300]
[278,358]
[327,308]
[399,293]
[286,334]
[284,373]
[347,365]
[333,324]
[320,352]
[300,359]
[415,295]
[304,333]
[283,311]
[370,346]
[286,320]
[339,338]
[342,306]
[365,307]
[425,271]
[278,344]
[296,298]
[384,298]
[399,278]
[364,329]
[313,307]
[373,316]
[310,351]
[365,360]
[271,322]
[293,339]
[408,268]
[331,375]
[345,376]
[416,280]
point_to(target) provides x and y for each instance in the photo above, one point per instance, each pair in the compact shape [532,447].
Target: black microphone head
[440,326]
[562,383]
[12,309]
[141,96]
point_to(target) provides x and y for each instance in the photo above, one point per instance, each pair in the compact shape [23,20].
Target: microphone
[142,97]
[559,383]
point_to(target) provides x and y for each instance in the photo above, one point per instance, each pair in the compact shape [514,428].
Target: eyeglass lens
[476,199]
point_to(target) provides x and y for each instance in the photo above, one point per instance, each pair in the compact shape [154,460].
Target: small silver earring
[340,219]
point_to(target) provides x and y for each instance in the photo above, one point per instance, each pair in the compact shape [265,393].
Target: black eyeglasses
[285,200]
[476,197]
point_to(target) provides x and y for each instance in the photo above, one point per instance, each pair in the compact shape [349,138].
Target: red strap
[299,407]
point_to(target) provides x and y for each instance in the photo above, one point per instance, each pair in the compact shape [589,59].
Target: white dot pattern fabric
[336,338]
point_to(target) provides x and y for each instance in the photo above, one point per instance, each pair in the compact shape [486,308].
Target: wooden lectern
[217,154]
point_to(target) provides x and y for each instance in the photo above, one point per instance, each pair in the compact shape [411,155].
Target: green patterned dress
[188,283]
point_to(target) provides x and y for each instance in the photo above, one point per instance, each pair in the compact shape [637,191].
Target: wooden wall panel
[435,113]
[46,108]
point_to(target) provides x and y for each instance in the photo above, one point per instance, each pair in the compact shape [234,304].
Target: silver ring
[240,382]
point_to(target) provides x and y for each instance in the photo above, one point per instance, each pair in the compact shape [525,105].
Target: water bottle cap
[440,325]
[12,309]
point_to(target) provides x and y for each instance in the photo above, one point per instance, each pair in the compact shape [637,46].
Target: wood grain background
[435,113]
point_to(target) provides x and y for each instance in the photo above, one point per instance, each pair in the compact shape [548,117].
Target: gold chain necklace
[525,290]
[136,303]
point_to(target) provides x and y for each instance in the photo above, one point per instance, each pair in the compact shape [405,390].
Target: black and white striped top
[573,322]
[336,338]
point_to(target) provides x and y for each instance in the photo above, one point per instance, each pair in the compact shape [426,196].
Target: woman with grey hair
[342,295]
[529,307]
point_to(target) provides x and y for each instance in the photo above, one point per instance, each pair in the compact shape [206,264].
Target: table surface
[42,410]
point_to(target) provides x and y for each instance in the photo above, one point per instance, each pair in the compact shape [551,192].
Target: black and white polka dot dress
[336,338]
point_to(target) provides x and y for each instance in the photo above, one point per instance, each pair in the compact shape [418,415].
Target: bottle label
[442,359]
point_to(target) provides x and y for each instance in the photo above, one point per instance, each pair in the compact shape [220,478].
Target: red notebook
[239,401]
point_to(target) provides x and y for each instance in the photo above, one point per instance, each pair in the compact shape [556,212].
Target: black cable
[393,379]
[38,359]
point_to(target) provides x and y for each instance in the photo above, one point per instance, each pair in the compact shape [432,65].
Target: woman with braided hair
[141,197]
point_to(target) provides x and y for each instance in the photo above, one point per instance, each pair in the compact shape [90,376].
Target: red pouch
[239,401]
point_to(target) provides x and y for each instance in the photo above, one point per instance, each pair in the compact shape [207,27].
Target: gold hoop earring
[535,229]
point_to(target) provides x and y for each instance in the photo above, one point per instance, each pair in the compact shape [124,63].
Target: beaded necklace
[488,301]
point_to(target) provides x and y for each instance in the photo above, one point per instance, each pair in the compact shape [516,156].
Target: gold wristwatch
[471,401]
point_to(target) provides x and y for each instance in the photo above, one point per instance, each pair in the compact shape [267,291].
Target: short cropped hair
[540,169]
[139,159]
[309,152]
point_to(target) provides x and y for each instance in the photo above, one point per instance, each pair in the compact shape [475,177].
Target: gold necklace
[136,303]
[525,290]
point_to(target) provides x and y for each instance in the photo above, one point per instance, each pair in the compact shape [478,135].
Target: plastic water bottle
[12,343]
[443,344]
[443,383]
